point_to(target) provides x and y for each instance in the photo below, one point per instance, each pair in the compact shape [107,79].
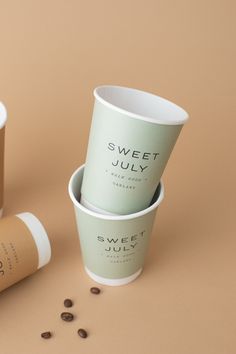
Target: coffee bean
[67,316]
[68,303]
[95,290]
[46,335]
[82,333]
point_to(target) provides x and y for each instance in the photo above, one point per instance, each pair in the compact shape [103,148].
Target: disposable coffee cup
[24,248]
[132,136]
[3,119]
[113,247]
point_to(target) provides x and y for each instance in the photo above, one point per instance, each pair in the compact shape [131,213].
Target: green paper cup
[132,136]
[3,119]
[113,247]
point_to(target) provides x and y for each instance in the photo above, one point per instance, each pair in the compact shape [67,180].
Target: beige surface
[52,54]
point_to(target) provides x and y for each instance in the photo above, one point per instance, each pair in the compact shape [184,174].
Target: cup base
[113,282]
[92,207]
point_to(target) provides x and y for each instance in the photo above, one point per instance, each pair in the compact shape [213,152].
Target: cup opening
[141,105]
[74,189]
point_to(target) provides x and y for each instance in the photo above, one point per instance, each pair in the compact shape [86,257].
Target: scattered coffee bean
[82,333]
[46,335]
[68,303]
[67,316]
[95,290]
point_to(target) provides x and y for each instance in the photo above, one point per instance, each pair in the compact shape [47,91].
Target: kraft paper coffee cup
[3,118]
[131,139]
[113,246]
[24,248]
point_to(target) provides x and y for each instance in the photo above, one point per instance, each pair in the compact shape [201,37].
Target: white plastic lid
[40,237]
[3,115]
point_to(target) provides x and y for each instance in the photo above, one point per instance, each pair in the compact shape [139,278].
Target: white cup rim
[112,217]
[149,100]
[3,115]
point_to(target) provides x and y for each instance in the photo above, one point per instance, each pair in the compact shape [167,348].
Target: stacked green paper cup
[117,192]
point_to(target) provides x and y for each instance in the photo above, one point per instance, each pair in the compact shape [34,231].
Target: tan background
[52,54]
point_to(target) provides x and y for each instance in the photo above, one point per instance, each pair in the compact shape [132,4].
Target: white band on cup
[113,282]
[40,237]
[3,115]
